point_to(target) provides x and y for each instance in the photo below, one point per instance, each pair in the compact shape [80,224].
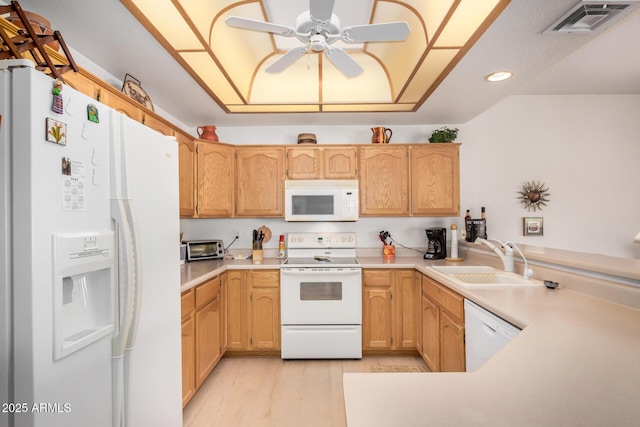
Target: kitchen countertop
[576,362]
[193,273]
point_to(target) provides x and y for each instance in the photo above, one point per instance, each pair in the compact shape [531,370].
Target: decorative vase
[381,135]
[207,132]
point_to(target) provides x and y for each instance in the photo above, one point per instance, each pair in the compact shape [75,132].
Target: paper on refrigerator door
[73,185]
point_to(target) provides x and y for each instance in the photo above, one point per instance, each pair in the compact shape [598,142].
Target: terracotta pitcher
[381,135]
[207,132]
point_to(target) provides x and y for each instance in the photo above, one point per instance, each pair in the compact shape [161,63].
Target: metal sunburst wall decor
[534,195]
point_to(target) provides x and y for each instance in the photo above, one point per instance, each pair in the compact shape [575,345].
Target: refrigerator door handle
[126,277]
[136,263]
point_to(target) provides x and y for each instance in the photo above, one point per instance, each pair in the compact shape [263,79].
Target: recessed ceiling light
[499,76]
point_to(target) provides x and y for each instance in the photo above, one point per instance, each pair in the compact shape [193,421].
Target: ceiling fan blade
[267,27]
[320,10]
[287,60]
[343,62]
[386,32]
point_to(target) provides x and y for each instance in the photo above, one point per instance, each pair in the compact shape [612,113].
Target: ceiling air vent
[586,16]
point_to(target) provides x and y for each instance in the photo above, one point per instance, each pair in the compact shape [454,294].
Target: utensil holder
[388,251]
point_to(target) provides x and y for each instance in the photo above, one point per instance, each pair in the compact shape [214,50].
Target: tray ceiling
[229,63]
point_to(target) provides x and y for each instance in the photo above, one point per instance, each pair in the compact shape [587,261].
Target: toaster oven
[204,249]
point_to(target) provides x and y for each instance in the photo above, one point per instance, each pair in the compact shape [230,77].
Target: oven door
[321,296]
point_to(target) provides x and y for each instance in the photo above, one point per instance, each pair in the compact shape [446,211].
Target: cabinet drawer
[207,291]
[444,297]
[264,278]
[187,303]
[377,278]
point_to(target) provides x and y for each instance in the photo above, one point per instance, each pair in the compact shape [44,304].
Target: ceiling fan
[317,28]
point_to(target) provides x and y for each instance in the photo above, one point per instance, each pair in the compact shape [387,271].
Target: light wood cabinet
[224,284]
[435,180]
[188,178]
[237,310]
[442,327]
[188,346]
[417,294]
[265,319]
[339,162]
[430,334]
[215,166]
[157,124]
[208,350]
[388,309]
[452,351]
[207,327]
[253,310]
[201,335]
[321,162]
[82,84]
[265,309]
[121,104]
[384,180]
[259,181]
[377,323]
[405,306]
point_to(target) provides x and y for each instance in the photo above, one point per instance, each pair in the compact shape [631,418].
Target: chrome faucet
[507,256]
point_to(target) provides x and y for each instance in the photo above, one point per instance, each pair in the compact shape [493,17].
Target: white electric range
[321,297]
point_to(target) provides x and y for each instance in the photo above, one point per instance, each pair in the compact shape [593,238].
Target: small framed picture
[532,226]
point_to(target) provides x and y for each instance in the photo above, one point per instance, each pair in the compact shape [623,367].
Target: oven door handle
[331,271]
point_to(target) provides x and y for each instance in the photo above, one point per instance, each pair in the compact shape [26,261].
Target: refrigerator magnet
[92,113]
[56,132]
[58,105]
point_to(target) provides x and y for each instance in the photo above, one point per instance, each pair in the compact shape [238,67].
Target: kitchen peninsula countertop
[574,363]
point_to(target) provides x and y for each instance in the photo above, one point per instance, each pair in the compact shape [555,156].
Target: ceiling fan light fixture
[499,76]
[317,43]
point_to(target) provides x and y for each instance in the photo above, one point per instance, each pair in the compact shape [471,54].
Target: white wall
[585,148]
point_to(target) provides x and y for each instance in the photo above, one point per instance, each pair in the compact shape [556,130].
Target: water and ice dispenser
[83,290]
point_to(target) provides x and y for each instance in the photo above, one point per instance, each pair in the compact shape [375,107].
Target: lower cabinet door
[207,339]
[188,373]
[452,357]
[430,334]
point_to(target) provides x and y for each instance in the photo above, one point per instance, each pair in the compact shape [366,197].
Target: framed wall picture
[532,226]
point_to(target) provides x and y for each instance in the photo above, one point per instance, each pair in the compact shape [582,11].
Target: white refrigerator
[90,287]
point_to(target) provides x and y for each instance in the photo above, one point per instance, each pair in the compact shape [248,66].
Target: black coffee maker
[436,243]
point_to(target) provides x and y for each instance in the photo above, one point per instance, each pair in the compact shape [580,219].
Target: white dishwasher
[485,334]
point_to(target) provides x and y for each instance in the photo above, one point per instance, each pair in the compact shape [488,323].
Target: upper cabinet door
[187,175]
[260,181]
[384,180]
[435,180]
[215,179]
[303,163]
[339,162]
[321,162]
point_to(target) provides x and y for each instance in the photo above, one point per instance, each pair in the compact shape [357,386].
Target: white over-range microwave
[321,200]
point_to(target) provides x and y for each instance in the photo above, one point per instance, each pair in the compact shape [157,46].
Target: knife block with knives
[258,238]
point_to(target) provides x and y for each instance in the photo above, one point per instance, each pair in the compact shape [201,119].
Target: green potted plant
[444,134]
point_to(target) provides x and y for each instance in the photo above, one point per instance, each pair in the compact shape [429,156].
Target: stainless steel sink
[471,276]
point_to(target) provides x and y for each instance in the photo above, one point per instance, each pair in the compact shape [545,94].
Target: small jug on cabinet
[207,132]
[381,135]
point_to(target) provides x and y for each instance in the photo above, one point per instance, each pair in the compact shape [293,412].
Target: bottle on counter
[484,220]
[467,226]
[281,248]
